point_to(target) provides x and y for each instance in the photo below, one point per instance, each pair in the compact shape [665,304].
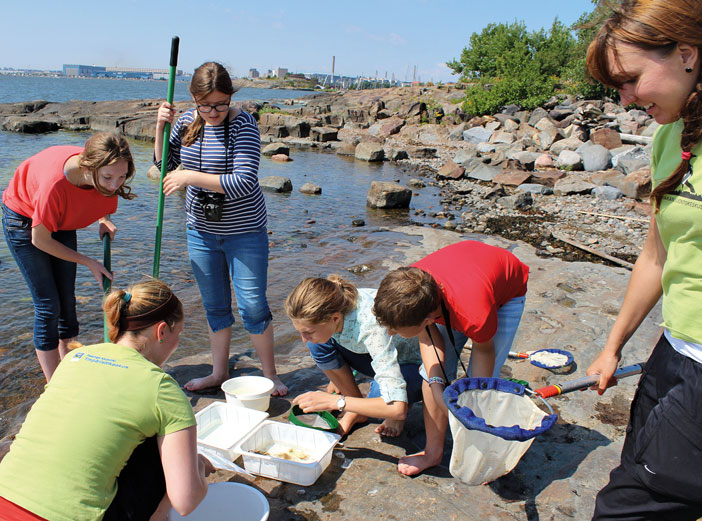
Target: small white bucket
[253,392]
[229,501]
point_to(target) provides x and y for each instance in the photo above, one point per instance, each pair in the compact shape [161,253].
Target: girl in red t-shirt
[52,194]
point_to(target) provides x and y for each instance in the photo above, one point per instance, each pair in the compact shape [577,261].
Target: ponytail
[316,299]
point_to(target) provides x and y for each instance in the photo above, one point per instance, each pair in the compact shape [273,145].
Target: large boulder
[276,183]
[595,157]
[29,125]
[572,185]
[369,151]
[275,148]
[383,194]
[323,134]
[477,135]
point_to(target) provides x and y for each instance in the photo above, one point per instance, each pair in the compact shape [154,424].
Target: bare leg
[263,344]
[63,346]
[48,361]
[435,424]
[219,343]
[331,388]
[344,381]
[391,428]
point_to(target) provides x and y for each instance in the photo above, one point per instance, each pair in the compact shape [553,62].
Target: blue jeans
[244,257]
[51,281]
[508,318]
[332,355]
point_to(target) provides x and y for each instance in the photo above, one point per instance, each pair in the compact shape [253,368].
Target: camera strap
[226,143]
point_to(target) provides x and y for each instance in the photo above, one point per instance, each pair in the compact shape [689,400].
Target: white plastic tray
[221,426]
[316,444]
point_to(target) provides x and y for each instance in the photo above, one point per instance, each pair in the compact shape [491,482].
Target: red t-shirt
[11,512]
[475,279]
[39,189]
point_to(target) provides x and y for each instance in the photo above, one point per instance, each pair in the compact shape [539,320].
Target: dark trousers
[660,474]
[140,486]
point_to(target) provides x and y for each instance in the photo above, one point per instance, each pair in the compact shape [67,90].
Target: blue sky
[386,36]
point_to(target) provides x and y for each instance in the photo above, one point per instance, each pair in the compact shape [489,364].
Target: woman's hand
[107,226]
[166,114]
[604,365]
[315,401]
[98,270]
[176,180]
[205,466]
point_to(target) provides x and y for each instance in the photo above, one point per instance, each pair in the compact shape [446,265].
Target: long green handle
[106,283]
[164,157]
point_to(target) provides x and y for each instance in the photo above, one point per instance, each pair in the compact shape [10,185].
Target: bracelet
[436,380]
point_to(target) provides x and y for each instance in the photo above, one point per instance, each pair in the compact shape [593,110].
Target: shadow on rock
[554,456]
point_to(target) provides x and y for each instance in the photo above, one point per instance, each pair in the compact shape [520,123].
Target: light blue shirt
[362,334]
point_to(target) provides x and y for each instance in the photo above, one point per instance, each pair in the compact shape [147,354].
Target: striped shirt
[244,205]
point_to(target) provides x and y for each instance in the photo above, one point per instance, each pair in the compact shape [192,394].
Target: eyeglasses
[220,107]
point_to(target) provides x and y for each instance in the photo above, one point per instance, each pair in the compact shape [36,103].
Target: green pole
[106,283]
[164,157]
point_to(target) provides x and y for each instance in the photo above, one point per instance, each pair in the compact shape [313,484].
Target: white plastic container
[221,426]
[253,392]
[316,445]
[229,501]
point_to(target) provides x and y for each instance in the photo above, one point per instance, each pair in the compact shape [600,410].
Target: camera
[212,204]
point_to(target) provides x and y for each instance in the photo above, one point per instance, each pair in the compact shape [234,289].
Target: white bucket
[253,392]
[229,501]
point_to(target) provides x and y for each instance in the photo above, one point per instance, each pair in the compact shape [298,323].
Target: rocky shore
[570,178]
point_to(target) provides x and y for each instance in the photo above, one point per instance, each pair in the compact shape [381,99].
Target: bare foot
[392,428]
[198,384]
[347,421]
[332,389]
[279,388]
[415,463]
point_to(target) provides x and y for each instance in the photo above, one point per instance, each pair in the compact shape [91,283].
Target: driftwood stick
[567,240]
[637,140]
[637,219]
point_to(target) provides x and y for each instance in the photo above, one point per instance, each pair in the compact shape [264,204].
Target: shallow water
[309,236]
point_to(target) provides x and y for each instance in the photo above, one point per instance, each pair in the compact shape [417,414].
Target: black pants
[660,474]
[140,486]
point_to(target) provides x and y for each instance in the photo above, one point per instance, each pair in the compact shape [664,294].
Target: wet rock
[311,188]
[358,222]
[323,134]
[25,125]
[388,195]
[396,154]
[421,152]
[416,183]
[369,152]
[346,149]
[276,183]
[275,148]
[281,158]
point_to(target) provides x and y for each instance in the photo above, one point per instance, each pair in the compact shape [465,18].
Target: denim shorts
[51,281]
[508,317]
[332,355]
[243,257]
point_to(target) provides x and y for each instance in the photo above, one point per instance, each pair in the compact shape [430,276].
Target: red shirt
[11,512]
[39,190]
[474,280]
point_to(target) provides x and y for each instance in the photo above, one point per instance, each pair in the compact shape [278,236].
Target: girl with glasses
[220,147]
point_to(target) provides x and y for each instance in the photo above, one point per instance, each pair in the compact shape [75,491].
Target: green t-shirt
[102,401]
[679,223]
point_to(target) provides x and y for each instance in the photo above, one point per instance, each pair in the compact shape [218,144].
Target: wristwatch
[341,403]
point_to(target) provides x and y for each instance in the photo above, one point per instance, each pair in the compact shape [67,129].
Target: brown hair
[105,148]
[207,78]
[316,299]
[658,26]
[138,299]
[406,297]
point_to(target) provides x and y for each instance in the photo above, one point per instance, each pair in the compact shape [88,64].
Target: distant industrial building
[95,71]
[280,72]
[253,74]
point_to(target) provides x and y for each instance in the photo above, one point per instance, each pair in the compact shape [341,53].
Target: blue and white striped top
[244,205]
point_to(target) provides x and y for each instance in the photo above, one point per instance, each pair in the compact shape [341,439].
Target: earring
[688,69]
[160,341]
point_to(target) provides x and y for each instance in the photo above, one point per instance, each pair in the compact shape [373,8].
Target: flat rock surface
[570,305]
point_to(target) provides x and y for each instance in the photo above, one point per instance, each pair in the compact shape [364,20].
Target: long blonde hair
[316,299]
[659,26]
